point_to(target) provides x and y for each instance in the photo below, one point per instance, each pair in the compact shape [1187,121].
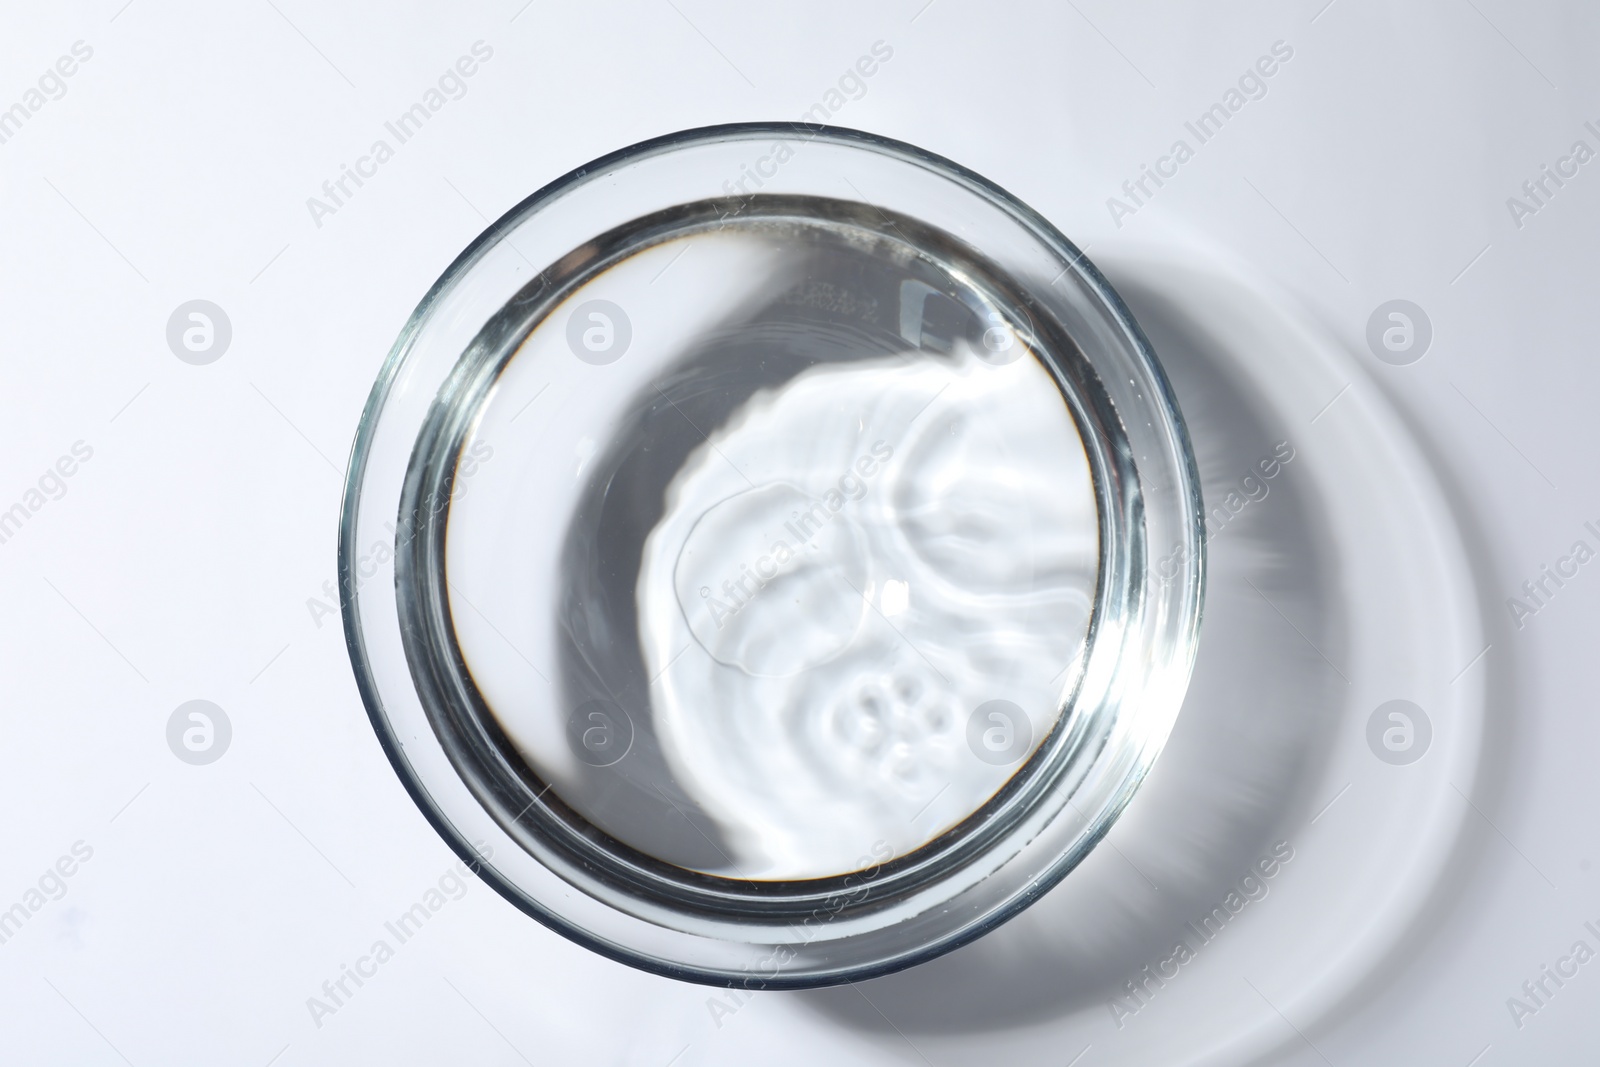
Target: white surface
[179,561]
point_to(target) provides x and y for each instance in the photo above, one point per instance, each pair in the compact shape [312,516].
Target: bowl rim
[348,581]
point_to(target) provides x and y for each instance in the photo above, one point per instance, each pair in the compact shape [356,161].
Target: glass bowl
[771,555]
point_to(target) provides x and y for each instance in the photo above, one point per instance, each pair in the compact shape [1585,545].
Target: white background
[179,563]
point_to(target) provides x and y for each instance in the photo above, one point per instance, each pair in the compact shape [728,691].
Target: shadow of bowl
[1253,738]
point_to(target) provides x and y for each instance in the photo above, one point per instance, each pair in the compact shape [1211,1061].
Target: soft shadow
[1255,729]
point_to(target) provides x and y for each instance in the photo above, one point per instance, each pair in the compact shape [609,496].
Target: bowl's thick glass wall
[799,933]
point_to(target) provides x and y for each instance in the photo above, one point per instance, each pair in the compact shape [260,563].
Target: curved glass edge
[1190,605]
[427,628]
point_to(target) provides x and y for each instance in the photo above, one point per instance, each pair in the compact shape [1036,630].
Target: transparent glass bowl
[857,750]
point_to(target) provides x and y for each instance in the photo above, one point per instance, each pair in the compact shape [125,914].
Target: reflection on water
[813,533]
[847,569]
